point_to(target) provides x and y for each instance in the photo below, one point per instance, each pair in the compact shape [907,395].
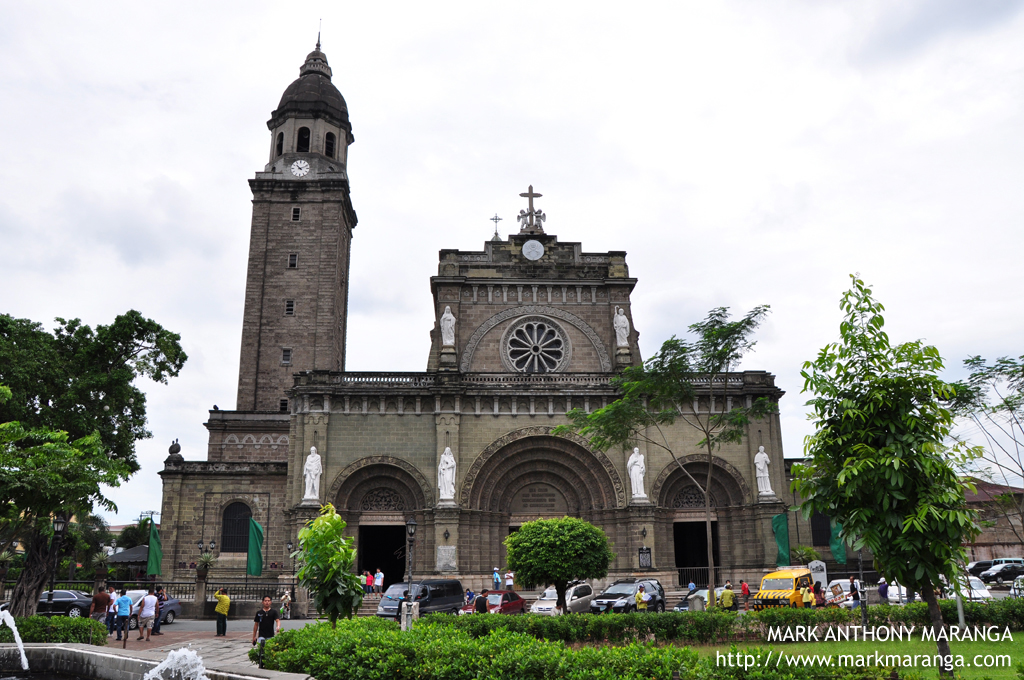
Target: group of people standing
[115,608]
[373,584]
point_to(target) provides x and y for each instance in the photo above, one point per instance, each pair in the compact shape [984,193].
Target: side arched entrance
[530,474]
[376,496]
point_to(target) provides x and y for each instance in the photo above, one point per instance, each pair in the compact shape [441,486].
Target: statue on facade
[621,325]
[448,328]
[761,461]
[312,471]
[637,469]
[446,475]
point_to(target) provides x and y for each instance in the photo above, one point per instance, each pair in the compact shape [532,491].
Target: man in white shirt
[378,582]
[149,610]
[509,579]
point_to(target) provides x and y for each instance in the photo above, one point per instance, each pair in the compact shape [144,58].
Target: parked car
[169,610]
[435,596]
[620,597]
[975,568]
[1003,572]
[684,604]
[782,589]
[65,603]
[1017,589]
[500,602]
[971,589]
[577,600]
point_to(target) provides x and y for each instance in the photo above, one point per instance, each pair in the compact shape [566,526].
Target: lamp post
[291,548]
[60,523]
[410,529]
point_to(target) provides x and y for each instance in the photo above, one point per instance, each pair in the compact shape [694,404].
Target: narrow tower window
[289,307]
[280,143]
[295,214]
[303,145]
[293,260]
[284,406]
[329,145]
[286,356]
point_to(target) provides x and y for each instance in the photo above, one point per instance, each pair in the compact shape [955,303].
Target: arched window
[280,143]
[234,537]
[303,145]
[821,529]
[329,145]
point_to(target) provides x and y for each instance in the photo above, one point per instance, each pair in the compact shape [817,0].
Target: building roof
[137,555]
[313,95]
[988,491]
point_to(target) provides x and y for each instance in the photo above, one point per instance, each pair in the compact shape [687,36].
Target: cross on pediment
[532,220]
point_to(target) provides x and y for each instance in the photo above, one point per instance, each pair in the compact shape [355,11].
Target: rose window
[692,497]
[536,347]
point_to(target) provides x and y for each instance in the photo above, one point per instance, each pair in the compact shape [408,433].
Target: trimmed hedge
[57,629]
[375,649]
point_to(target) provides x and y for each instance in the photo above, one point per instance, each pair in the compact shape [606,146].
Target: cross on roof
[495,219]
[531,218]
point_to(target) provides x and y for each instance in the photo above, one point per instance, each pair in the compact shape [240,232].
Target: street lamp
[291,548]
[410,529]
[213,544]
[60,523]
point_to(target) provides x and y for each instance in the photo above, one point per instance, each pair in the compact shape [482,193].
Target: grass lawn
[1015,650]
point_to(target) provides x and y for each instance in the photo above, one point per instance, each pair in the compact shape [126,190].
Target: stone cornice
[196,467]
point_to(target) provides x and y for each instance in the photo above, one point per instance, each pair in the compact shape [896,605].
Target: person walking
[727,598]
[378,582]
[161,599]
[286,605]
[819,596]
[149,609]
[510,580]
[470,596]
[855,593]
[495,580]
[883,590]
[745,592]
[641,598]
[124,613]
[362,582]
[111,611]
[221,610]
[480,604]
[806,596]
[692,587]
[100,605]
[266,623]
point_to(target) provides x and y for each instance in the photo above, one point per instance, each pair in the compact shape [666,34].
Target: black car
[1003,573]
[975,568]
[620,597]
[65,603]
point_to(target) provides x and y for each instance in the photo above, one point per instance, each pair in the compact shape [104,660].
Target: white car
[847,599]
[1017,589]
[973,590]
[577,600]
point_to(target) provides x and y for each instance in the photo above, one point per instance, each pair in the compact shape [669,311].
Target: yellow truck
[782,589]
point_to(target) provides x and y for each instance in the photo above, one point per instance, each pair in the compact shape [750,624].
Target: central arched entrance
[531,474]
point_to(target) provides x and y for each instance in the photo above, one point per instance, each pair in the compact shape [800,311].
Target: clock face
[533,250]
[300,168]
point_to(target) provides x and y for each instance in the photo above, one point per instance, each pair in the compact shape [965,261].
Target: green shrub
[57,629]
[373,649]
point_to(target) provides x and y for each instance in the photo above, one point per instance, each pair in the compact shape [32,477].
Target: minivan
[436,596]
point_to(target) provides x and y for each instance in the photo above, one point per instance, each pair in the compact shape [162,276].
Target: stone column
[446,520]
[641,520]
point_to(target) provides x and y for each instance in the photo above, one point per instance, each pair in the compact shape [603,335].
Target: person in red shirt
[745,590]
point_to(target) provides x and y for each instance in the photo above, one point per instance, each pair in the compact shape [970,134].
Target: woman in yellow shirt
[223,605]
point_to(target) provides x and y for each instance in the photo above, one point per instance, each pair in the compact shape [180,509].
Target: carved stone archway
[373,472]
[728,487]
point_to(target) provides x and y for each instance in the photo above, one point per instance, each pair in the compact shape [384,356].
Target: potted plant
[98,563]
[206,560]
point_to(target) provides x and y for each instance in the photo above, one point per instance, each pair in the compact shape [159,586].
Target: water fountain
[182,662]
[5,617]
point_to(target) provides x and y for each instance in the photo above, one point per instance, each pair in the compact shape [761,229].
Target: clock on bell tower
[296,293]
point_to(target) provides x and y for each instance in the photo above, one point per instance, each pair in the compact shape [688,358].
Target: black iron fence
[753,572]
[246,591]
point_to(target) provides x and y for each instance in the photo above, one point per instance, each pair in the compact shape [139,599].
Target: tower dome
[313,95]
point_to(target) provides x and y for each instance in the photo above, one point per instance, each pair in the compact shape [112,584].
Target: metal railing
[183,590]
[248,591]
[699,576]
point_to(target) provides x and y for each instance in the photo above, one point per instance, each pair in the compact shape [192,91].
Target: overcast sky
[741,153]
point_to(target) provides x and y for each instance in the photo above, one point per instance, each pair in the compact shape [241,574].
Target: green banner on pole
[254,559]
[156,552]
[836,545]
[780,527]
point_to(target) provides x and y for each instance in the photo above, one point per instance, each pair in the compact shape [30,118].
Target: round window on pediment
[535,344]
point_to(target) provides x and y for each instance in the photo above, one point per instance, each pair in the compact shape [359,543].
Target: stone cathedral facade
[526,330]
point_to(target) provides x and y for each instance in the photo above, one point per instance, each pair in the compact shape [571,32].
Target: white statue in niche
[448,328]
[312,471]
[761,461]
[621,325]
[446,475]
[637,469]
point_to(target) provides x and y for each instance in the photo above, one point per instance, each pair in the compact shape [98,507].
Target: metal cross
[495,219]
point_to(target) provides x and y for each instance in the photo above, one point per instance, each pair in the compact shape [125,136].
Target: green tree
[878,459]
[73,391]
[992,400]
[664,389]
[557,551]
[134,534]
[327,560]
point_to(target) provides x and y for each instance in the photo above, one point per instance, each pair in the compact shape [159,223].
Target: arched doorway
[530,474]
[376,496]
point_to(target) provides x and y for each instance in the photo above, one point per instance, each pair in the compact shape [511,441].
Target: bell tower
[296,292]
